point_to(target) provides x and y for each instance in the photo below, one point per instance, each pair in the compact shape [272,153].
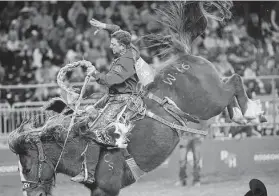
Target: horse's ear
[17,143]
[17,138]
[56,104]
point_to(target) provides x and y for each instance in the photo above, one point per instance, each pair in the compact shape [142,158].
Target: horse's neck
[67,164]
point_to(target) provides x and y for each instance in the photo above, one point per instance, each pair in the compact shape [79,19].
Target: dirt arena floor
[213,186]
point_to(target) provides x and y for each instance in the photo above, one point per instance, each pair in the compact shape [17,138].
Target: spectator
[21,36]
[46,74]
[2,73]
[57,34]
[241,55]
[9,13]
[211,44]
[33,42]
[14,27]
[42,51]
[148,19]
[25,22]
[129,15]
[43,20]
[250,71]
[74,54]
[13,43]
[188,147]
[223,66]
[98,10]
[3,35]
[7,59]
[274,17]
[77,15]
[68,41]
[92,54]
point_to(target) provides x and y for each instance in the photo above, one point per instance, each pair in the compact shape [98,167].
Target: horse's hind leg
[250,109]
[235,112]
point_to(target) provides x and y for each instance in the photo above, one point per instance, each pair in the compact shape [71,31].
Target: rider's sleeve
[111,28]
[121,71]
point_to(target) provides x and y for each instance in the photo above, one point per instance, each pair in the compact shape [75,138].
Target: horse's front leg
[100,192]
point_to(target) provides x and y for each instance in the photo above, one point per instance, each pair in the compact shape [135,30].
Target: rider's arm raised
[111,28]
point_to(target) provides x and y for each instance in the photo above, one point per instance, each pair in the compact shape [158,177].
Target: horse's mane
[183,22]
[54,130]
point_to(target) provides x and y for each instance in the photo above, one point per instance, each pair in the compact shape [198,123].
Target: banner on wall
[249,155]
[226,158]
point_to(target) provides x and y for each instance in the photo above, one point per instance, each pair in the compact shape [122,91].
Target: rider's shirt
[122,77]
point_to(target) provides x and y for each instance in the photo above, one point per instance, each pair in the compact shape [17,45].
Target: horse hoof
[238,117]
[242,121]
[262,119]
[254,109]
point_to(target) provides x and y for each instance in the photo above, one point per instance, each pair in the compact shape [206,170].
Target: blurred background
[38,38]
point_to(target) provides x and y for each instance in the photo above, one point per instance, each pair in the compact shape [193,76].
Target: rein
[174,111]
[60,78]
[29,184]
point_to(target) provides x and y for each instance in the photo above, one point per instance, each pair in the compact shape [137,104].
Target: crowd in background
[38,38]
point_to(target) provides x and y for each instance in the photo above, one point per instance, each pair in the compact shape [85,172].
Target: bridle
[28,185]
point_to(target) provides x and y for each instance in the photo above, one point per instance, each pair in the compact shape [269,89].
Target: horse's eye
[26,171]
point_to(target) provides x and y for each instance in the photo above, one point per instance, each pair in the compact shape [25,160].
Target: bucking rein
[166,103]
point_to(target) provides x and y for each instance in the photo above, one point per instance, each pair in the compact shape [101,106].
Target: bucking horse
[187,88]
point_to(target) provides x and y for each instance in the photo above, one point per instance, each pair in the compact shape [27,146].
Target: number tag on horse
[144,72]
[118,69]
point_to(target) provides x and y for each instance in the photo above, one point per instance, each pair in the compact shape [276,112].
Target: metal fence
[12,116]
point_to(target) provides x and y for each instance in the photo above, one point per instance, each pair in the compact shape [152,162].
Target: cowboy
[144,71]
[120,79]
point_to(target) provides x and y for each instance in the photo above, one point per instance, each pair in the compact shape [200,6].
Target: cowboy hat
[257,188]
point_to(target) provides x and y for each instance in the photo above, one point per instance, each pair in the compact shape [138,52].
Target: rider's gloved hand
[72,97]
[91,71]
[99,25]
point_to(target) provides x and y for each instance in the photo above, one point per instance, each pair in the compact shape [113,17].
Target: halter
[30,185]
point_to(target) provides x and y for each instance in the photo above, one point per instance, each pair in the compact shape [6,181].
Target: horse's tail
[184,21]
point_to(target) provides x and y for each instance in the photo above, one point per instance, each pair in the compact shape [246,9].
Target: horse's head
[36,170]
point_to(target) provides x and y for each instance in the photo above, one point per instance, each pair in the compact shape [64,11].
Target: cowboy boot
[92,159]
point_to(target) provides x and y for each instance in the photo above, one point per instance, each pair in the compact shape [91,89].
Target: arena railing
[12,116]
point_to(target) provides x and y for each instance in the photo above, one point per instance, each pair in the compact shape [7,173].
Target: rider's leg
[92,157]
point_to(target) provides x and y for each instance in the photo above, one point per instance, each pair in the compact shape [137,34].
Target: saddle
[108,126]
